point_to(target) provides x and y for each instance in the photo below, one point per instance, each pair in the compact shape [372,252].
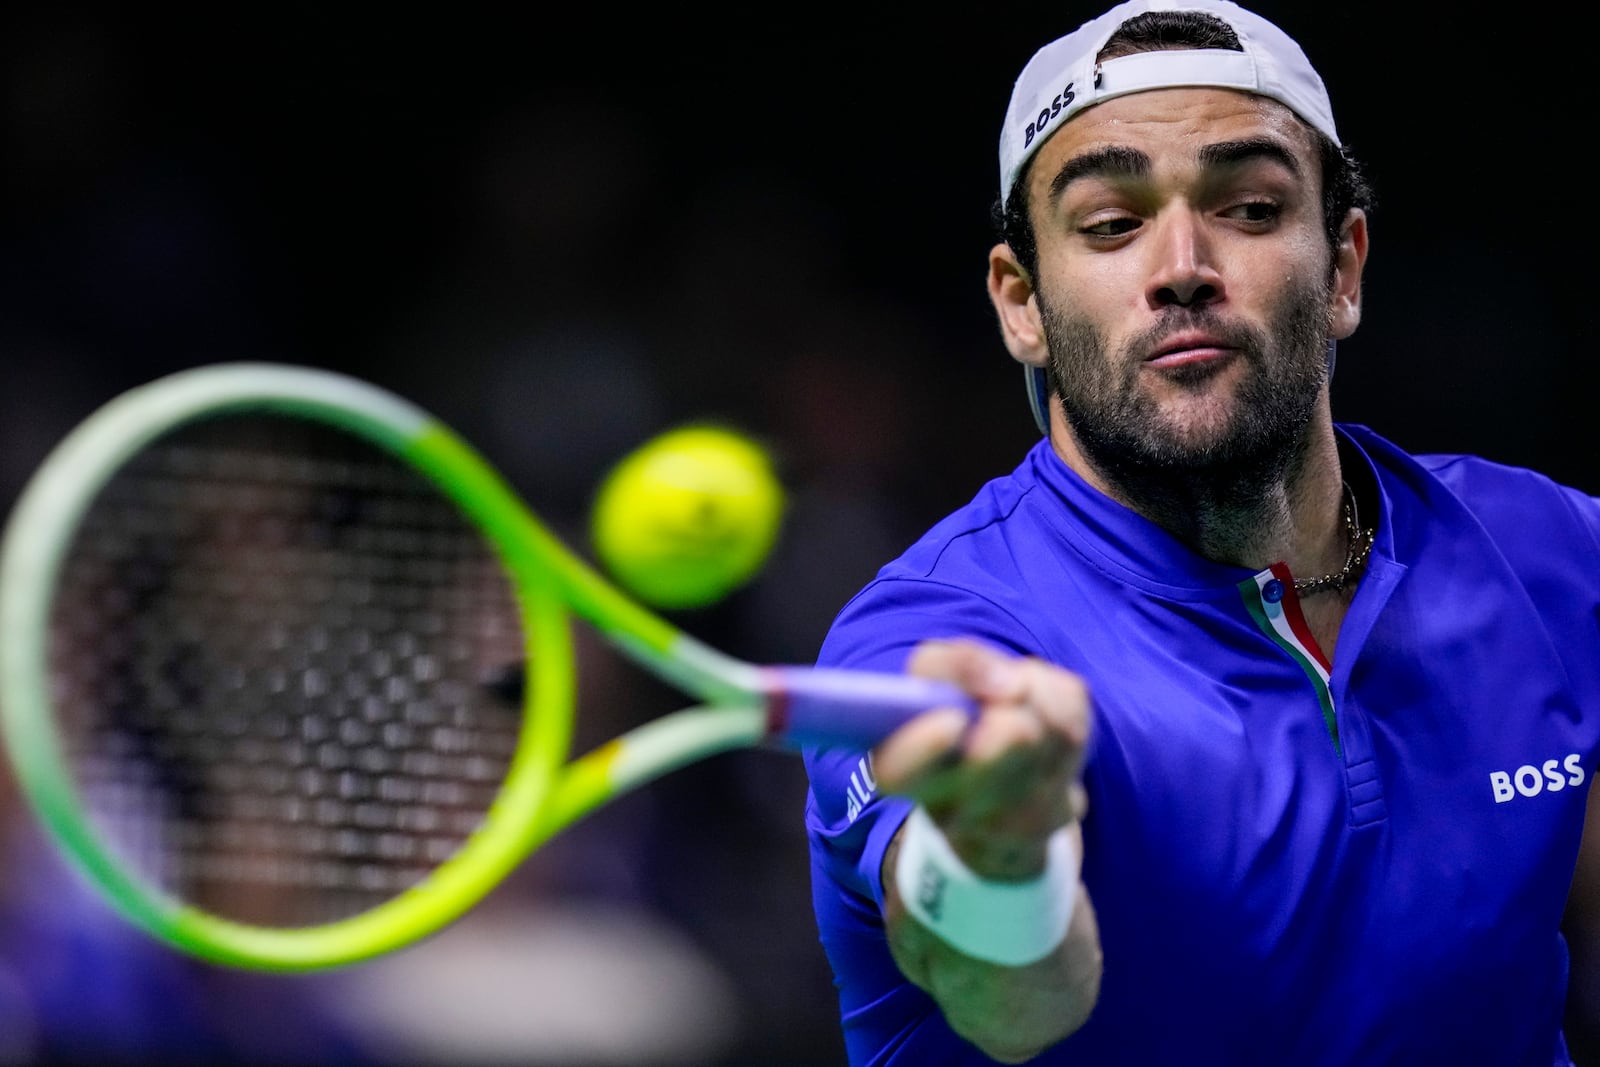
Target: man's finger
[919,750]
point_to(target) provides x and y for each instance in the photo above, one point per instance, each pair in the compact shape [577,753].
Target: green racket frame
[542,792]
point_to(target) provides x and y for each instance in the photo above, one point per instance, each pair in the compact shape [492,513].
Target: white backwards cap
[1063,78]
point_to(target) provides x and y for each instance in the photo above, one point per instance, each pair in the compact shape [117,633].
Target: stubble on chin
[1213,438]
[1127,418]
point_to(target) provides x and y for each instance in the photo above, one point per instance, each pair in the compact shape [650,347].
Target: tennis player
[1286,734]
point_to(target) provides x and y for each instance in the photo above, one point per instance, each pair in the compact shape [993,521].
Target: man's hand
[998,787]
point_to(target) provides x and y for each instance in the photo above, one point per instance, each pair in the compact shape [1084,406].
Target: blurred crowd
[560,266]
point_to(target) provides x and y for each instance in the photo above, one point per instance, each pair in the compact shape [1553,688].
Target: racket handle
[830,705]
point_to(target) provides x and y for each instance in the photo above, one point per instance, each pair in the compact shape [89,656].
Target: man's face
[1183,279]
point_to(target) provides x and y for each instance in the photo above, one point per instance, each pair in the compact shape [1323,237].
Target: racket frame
[740,705]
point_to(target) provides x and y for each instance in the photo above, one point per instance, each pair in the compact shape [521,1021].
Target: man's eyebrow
[1113,161]
[1118,161]
[1235,153]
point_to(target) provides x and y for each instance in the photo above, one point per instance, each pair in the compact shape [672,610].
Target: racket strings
[269,652]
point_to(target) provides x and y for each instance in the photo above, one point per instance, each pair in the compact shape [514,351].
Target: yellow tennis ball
[689,516]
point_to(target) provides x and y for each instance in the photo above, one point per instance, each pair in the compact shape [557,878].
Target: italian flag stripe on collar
[1271,600]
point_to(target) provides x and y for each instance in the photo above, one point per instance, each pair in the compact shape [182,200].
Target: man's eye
[1112,227]
[1255,211]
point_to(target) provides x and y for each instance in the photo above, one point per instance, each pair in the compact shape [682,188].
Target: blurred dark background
[563,230]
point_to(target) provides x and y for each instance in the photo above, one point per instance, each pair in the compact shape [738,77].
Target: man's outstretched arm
[1004,793]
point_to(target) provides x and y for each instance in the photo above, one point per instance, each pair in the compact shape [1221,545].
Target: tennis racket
[260,627]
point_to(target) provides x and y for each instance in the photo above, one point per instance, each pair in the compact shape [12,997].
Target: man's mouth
[1190,350]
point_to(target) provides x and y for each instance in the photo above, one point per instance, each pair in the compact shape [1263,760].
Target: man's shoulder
[957,540]
[1506,498]
[964,575]
[1470,474]
[986,543]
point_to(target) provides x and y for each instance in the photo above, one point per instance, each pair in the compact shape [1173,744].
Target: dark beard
[1207,488]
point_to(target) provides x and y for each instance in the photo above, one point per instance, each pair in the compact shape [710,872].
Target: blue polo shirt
[1291,861]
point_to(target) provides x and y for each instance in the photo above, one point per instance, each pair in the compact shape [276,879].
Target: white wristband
[1009,923]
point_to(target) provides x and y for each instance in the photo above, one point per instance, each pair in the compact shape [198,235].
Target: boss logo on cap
[1062,99]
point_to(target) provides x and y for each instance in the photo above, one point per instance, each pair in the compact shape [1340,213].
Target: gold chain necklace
[1355,557]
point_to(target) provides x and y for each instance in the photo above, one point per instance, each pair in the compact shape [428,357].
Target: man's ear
[1350,259]
[1011,293]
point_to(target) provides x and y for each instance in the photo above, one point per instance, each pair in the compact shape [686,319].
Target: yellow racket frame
[542,792]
